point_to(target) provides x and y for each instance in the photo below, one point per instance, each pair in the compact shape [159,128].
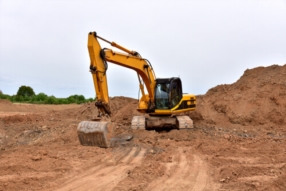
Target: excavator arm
[130,59]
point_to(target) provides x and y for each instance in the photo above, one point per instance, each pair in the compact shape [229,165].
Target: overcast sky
[43,44]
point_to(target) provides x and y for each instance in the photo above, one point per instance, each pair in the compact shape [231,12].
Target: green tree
[25,91]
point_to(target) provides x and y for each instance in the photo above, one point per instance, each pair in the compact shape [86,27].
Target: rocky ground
[238,143]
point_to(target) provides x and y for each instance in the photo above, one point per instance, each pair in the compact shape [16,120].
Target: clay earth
[238,143]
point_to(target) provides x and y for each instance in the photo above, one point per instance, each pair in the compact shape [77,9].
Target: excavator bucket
[91,133]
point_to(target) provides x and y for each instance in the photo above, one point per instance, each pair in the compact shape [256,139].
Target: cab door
[175,94]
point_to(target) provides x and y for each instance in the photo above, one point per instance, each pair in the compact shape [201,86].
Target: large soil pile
[257,98]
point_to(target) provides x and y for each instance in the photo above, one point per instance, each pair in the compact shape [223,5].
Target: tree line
[26,94]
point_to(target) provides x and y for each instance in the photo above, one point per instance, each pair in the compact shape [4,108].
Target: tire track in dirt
[106,176]
[201,178]
[187,171]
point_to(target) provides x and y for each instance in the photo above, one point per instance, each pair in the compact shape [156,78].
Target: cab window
[162,96]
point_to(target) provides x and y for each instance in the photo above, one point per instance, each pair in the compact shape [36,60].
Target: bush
[51,100]
[4,96]
[76,99]
[41,97]
[19,98]
[90,100]
[63,101]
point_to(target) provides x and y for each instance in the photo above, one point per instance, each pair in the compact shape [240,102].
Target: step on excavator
[162,107]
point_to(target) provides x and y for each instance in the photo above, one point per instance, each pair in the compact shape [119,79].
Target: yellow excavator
[164,104]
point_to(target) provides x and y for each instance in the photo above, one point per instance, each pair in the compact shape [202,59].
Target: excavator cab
[168,92]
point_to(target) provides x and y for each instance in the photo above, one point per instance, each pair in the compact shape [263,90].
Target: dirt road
[183,171]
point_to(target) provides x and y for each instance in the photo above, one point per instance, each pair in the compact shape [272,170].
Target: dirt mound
[5,102]
[122,109]
[257,98]
[6,105]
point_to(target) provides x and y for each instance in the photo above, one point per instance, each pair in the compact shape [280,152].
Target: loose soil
[238,143]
